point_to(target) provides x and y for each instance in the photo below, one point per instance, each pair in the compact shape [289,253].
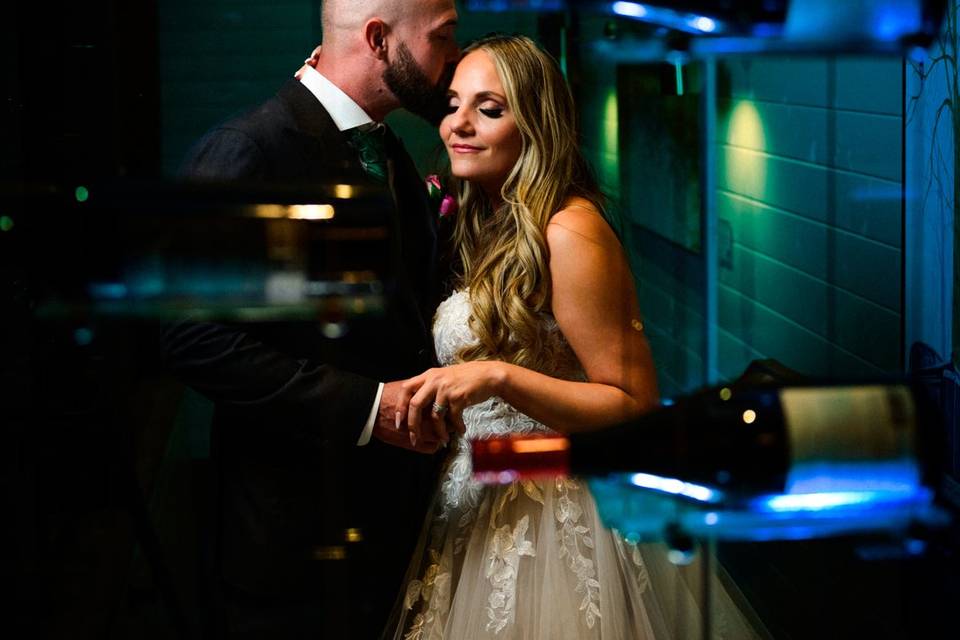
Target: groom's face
[414,89]
[422,60]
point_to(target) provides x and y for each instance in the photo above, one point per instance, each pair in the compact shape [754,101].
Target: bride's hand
[443,393]
[309,62]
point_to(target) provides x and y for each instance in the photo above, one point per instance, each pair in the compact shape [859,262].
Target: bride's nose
[459,122]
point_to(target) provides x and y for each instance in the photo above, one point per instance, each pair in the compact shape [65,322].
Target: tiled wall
[220,57]
[807,167]
[809,201]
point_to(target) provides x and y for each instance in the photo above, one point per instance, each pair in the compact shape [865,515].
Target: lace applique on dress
[503,564]
[479,574]
[573,534]
[461,495]
[631,551]
[434,590]
[493,417]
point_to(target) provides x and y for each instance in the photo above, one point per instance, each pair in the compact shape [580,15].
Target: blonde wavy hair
[502,252]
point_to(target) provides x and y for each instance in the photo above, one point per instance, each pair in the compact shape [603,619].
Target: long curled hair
[503,254]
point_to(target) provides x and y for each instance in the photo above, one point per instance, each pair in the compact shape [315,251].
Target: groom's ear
[375,35]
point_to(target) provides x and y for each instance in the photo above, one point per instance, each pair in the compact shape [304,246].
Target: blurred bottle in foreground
[750,462]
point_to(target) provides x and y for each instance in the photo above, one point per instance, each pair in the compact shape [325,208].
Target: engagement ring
[439,409]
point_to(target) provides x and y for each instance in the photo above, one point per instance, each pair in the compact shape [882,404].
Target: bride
[543,333]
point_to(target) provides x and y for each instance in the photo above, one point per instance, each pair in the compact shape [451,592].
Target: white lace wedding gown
[531,560]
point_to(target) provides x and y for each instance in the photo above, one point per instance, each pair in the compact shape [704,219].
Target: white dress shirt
[346,114]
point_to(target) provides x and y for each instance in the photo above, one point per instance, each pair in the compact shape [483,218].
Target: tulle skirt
[531,561]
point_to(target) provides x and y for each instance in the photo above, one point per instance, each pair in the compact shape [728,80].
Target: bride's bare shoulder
[579,218]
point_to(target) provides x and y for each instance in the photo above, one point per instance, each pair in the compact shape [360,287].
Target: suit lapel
[413,237]
[325,150]
[415,240]
[419,226]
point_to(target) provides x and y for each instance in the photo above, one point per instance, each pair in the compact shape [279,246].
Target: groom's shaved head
[350,15]
[389,53]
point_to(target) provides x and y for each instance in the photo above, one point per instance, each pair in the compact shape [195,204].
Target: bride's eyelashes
[490,113]
[490,110]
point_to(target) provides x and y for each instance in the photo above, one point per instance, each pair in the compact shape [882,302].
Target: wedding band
[439,409]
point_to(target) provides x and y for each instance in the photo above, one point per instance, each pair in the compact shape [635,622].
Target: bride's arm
[595,305]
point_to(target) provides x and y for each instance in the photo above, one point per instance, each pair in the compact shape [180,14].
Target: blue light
[896,476]
[675,487]
[767,30]
[885,21]
[915,547]
[893,21]
[108,290]
[816,501]
[630,9]
[703,23]
[690,23]
[832,500]
[514,5]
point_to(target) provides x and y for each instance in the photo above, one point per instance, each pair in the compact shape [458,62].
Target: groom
[316,515]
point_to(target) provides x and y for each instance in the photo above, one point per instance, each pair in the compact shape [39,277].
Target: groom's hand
[309,62]
[392,431]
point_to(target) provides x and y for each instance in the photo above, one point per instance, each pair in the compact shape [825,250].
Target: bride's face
[479,130]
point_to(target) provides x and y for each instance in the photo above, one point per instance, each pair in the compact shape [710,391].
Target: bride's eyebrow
[480,97]
[483,95]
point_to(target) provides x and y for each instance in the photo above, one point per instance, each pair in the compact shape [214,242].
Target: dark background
[104,463]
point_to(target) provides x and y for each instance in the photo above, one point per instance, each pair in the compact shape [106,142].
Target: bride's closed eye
[492,112]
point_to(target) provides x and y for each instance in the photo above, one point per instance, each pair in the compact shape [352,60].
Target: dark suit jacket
[290,403]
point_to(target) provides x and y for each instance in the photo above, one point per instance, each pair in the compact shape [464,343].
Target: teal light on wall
[610,163]
[6,223]
[81,193]
[83,336]
[744,162]
[564,54]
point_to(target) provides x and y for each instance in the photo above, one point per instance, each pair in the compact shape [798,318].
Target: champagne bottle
[744,442]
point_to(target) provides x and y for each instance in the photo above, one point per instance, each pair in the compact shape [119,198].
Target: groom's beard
[413,89]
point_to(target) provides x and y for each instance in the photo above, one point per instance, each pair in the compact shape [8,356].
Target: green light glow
[610,164]
[563,53]
[679,70]
[6,223]
[81,194]
[745,164]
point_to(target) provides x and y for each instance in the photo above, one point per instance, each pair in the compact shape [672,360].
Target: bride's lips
[465,148]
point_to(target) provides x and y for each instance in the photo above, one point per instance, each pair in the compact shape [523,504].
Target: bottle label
[850,438]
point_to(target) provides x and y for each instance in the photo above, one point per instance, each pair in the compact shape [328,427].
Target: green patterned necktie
[370,143]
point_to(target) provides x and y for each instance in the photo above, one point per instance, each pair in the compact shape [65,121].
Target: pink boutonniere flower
[448,206]
[446,202]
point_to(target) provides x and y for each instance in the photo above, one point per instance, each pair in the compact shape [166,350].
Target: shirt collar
[344,112]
